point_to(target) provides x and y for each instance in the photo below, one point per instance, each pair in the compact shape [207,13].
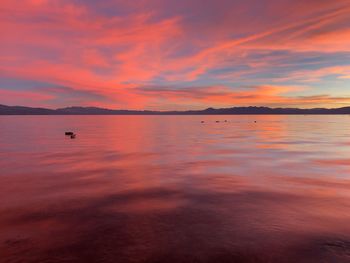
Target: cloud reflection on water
[156,188]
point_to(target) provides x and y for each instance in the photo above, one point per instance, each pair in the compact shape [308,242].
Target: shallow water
[173,189]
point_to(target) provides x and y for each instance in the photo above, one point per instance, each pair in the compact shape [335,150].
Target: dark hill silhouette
[20,110]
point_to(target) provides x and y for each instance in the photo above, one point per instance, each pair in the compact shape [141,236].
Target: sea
[225,188]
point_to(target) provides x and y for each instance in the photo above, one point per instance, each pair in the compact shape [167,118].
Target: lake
[173,189]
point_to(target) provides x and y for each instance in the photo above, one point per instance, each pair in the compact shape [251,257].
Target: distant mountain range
[20,110]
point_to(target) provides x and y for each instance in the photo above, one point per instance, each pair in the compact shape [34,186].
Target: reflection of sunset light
[283,180]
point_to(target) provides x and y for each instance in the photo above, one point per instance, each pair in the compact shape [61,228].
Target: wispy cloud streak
[122,54]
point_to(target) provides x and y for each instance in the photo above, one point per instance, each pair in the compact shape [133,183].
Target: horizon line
[186,110]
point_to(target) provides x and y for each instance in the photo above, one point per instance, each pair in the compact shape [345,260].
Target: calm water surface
[173,189]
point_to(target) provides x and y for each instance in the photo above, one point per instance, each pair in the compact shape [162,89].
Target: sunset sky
[175,54]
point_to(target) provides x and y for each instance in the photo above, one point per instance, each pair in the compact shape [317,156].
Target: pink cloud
[114,46]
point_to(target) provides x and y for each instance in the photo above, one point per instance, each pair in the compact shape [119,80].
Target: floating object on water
[217,121]
[225,120]
[255,121]
[71,134]
[202,121]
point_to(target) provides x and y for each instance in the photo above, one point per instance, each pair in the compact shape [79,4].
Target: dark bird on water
[71,134]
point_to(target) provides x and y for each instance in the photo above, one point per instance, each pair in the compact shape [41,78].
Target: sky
[175,55]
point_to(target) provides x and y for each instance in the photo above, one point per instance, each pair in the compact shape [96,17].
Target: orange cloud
[113,48]
[14,97]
